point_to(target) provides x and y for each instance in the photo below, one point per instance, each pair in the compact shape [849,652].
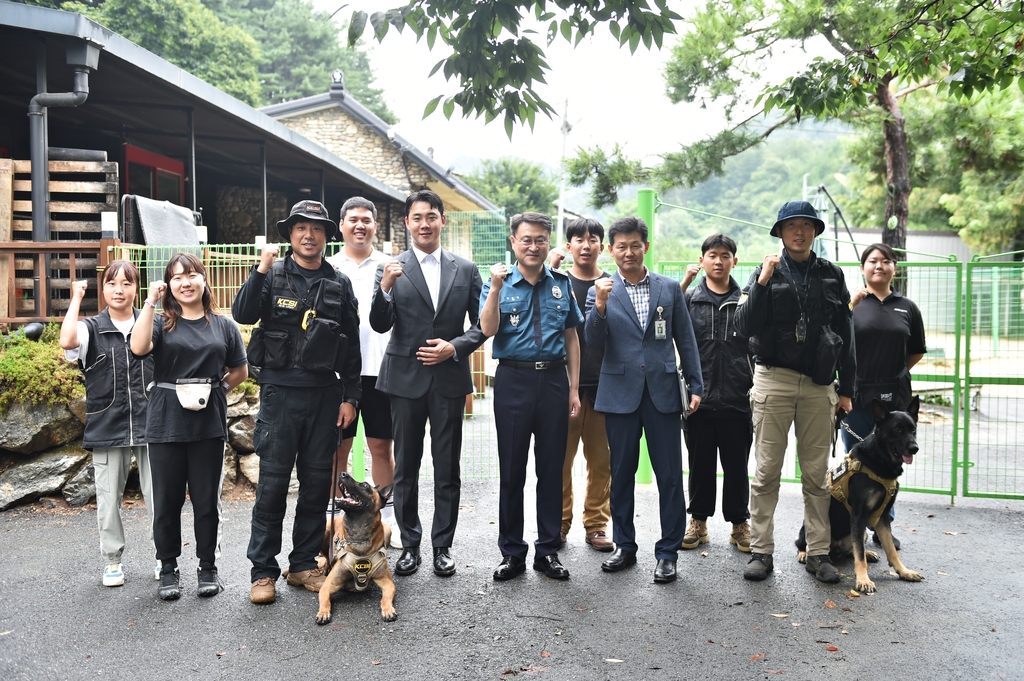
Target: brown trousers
[588,426]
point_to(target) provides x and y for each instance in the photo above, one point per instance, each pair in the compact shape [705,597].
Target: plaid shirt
[640,296]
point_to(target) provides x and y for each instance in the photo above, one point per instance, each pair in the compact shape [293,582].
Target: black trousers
[714,434]
[665,447]
[530,402]
[296,428]
[200,467]
[408,423]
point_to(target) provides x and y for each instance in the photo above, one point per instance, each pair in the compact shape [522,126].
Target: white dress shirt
[430,264]
[371,344]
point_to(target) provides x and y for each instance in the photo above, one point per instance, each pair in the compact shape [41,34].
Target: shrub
[36,371]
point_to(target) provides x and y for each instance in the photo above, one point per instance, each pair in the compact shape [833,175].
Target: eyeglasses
[539,242]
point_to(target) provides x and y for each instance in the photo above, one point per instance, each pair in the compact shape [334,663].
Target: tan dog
[358,544]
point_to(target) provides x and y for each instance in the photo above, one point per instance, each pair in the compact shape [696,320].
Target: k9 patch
[289,303]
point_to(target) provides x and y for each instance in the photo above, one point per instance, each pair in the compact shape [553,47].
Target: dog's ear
[878,411]
[385,493]
[914,408]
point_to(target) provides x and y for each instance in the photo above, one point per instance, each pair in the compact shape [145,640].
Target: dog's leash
[334,484]
[841,423]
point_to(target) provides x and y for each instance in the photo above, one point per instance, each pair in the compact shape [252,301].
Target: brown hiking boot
[263,590]
[696,534]
[740,536]
[311,579]
[600,541]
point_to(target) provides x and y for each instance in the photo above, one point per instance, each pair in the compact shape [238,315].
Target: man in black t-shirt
[585,242]
[308,335]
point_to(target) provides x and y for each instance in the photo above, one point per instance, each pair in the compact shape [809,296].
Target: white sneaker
[157,569]
[113,575]
[387,516]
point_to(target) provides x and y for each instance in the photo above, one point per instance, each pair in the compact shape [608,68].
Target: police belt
[535,366]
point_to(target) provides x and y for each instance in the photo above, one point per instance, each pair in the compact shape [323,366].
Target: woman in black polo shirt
[889,336]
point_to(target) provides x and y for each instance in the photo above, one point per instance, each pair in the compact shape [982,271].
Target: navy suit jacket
[632,354]
[411,318]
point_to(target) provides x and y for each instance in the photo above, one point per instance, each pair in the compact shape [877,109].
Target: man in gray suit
[423,297]
[640,319]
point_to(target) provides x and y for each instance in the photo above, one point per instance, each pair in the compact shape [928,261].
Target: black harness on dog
[838,480]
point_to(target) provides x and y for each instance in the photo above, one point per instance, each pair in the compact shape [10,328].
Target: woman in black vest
[198,356]
[115,402]
[889,336]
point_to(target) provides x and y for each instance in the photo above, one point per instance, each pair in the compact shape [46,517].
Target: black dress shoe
[665,571]
[444,565]
[510,567]
[408,562]
[551,566]
[619,560]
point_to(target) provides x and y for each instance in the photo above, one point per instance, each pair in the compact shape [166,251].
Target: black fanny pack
[894,393]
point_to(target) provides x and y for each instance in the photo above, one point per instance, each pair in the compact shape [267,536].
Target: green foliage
[187,34]
[515,184]
[494,59]
[36,371]
[299,49]
[967,159]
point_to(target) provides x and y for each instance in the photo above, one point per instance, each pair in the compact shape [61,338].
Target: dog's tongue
[908,459]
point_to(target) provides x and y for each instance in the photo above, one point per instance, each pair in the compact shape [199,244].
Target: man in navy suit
[428,299]
[640,319]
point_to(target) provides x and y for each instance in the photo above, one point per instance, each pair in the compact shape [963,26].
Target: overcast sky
[613,97]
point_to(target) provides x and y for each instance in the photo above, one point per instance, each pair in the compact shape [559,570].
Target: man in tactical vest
[308,336]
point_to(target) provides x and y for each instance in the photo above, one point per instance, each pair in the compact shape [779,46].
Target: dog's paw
[911,576]
[870,556]
[323,617]
[867,586]
[801,557]
[388,615]
[321,563]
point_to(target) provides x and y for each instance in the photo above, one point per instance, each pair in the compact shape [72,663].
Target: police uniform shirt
[522,334]
[886,332]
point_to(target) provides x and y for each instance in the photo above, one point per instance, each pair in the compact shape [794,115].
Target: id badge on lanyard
[660,326]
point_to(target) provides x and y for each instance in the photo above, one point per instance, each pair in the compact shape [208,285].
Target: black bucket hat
[307,210]
[797,209]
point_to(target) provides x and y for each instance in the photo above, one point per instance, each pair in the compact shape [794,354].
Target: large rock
[81,488]
[77,407]
[242,408]
[230,464]
[31,428]
[250,467]
[44,474]
[240,434]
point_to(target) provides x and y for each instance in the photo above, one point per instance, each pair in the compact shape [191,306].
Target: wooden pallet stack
[79,192]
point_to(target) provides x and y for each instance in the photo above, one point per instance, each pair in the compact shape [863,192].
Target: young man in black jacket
[722,426]
[798,320]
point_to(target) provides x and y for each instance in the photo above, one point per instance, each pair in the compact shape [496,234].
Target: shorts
[375,408]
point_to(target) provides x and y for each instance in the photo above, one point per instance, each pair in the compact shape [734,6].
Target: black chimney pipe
[84,56]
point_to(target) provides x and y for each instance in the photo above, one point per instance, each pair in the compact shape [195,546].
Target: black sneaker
[170,588]
[823,569]
[878,542]
[758,567]
[209,583]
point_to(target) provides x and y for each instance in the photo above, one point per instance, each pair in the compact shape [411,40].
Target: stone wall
[337,131]
[238,214]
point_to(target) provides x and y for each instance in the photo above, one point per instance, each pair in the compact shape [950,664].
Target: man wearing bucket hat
[797,317]
[308,336]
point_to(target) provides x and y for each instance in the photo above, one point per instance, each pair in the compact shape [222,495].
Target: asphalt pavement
[965,621]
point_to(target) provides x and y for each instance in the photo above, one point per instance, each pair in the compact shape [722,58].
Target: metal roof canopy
[142,99]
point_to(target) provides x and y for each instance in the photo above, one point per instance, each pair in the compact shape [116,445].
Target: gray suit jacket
[411,318]
[632,354]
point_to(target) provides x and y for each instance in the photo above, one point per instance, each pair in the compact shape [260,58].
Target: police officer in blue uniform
[532,315]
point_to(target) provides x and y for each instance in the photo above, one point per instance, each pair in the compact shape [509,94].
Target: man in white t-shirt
[358,260]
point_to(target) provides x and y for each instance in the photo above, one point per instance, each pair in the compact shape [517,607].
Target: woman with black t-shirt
[198,356]
[889,336]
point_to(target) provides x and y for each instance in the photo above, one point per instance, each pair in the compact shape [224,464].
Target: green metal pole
[358,458]
[995,312]
[647,200]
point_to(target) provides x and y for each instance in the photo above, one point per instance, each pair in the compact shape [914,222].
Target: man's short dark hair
[581,227]
[718,241]
[533,218]
[426,196]
[627,226]
[358,202]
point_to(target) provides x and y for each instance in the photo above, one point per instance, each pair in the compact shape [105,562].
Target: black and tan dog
[358,542]
[864,490]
